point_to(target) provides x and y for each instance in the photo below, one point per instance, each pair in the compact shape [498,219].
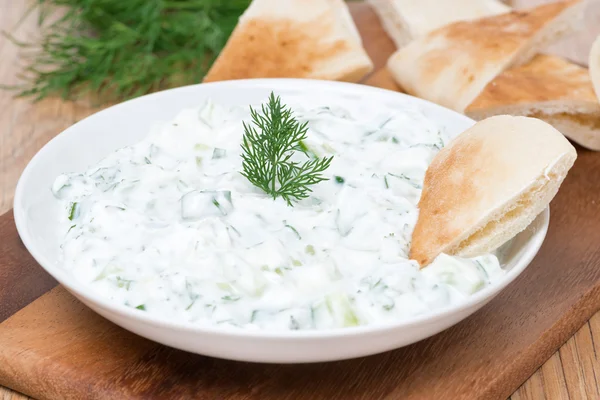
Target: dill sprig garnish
[267,153]
[119,49]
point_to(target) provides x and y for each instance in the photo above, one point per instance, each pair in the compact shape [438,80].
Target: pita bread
[594,64]
[488,185]
[549,88]
[452,65]
[405,20]
[294,39]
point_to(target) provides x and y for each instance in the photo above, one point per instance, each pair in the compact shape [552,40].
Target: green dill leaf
[116,49]
[141,307]
[293,230]
[73,212]
[268,145]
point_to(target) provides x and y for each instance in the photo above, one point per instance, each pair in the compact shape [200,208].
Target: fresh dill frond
[119,49]
[267,150]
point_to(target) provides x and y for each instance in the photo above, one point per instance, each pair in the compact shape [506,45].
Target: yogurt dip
[169,225]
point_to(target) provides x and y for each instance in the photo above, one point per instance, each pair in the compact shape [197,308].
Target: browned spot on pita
[276,48]
[434,63]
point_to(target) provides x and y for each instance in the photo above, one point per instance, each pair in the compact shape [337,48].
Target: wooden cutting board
[52,346]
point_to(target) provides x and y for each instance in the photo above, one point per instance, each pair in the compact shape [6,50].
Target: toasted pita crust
[295,39]
[549,88]
[594,64]
[487,185]
[405,20]
[452,65]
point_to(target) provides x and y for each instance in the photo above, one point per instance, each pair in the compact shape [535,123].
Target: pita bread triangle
[452,65]
[550,88]
[293,39]
[487,185]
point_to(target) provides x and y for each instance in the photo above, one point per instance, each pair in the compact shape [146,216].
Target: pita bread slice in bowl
[314,39]
[405,20]
[550,88]
[452,65]
[488,185]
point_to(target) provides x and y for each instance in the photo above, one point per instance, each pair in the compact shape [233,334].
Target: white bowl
[88,141]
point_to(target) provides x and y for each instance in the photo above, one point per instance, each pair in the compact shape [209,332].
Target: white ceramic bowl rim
[65,279]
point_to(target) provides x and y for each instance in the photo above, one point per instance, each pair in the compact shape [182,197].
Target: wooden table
[25,128]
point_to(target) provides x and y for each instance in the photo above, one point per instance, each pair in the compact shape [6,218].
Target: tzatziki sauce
[170,227]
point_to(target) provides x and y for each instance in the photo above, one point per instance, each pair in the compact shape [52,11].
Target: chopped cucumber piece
[123,283]
[462,274]
[59,185]
[219,153]
[224,286]
[201,146]
[109,269]
[340,308]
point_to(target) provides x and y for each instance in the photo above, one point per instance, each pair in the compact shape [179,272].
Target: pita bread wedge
[550,88]
[294,39]
[405,20]
[487,185]
[594,64]
[451,66]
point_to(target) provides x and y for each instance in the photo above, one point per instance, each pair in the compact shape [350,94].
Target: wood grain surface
[89,358]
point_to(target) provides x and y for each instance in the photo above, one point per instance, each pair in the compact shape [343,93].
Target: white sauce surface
[169,226]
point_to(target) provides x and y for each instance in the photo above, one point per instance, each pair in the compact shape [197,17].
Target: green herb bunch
[267,153]
[118,49]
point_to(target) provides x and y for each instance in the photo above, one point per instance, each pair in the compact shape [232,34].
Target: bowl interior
[88,141]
